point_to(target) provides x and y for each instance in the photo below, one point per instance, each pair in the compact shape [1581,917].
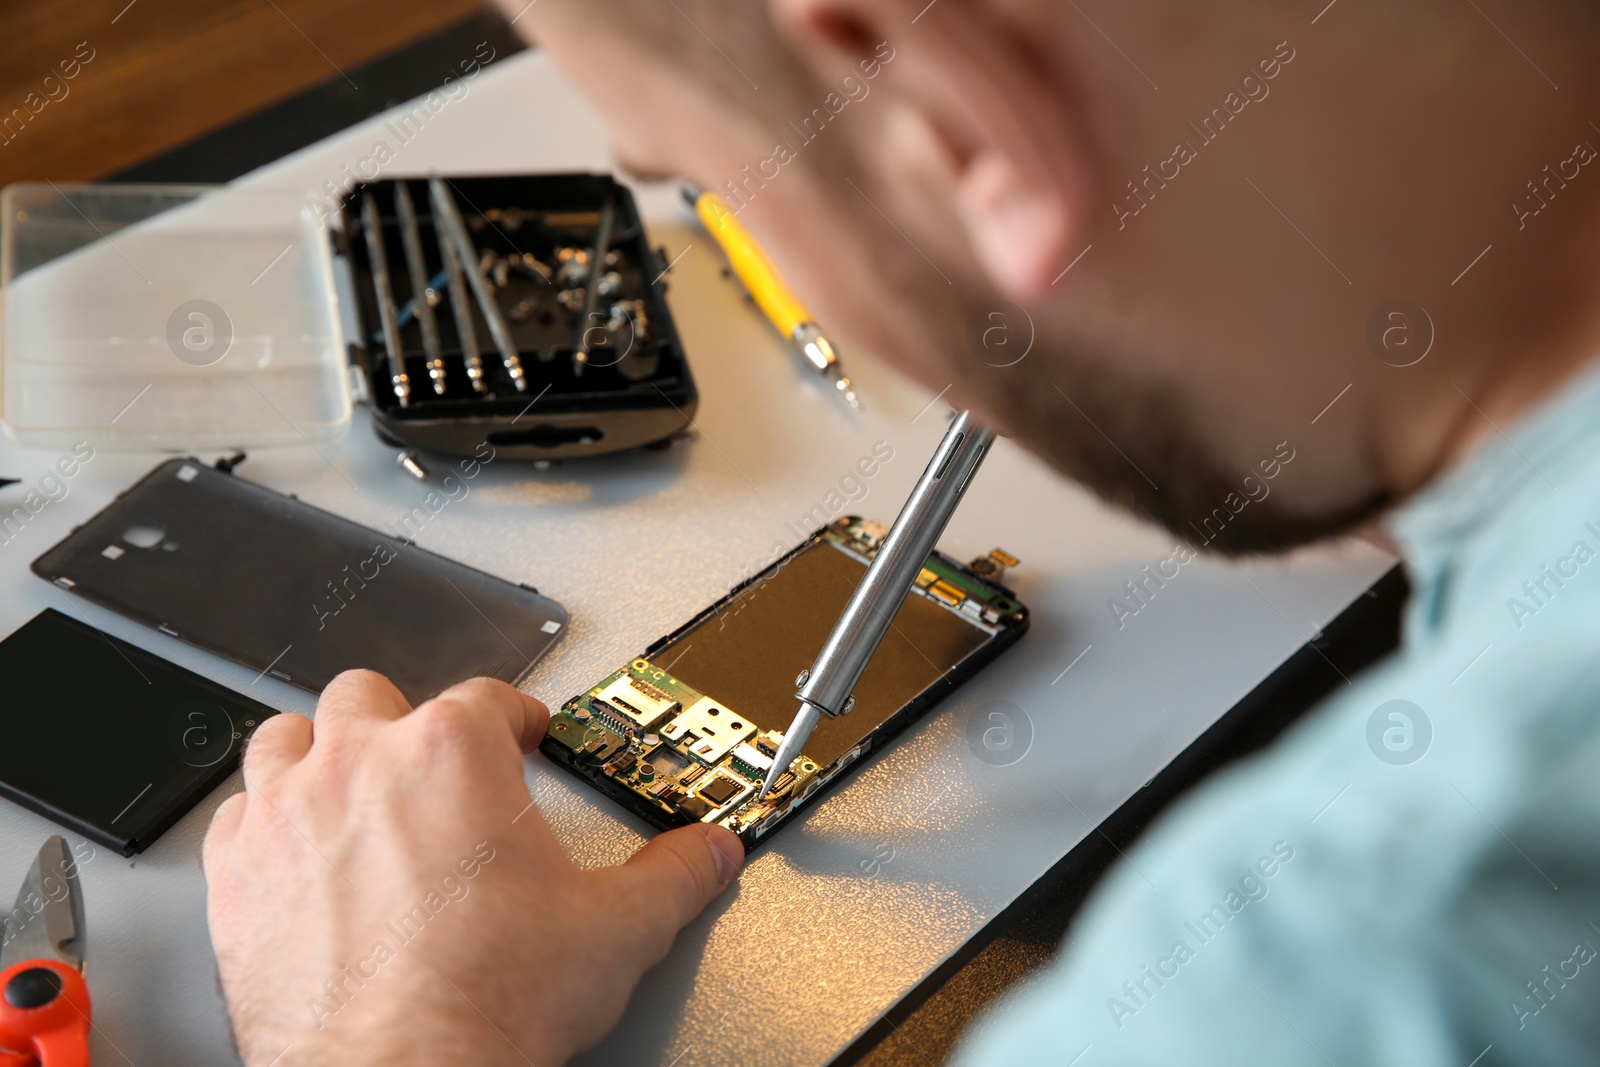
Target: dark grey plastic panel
[288,589]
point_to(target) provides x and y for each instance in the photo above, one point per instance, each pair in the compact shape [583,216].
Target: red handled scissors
[44,1001]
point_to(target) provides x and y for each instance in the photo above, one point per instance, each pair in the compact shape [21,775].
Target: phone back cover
[282,587]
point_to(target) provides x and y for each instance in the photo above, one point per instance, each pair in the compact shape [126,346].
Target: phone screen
[749,651]
[110,740]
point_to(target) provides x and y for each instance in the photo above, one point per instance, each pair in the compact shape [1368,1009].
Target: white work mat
[853,905]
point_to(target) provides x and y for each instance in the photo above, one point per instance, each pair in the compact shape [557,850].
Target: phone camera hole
[142,536]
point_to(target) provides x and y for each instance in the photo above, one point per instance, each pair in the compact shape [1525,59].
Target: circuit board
[688,730]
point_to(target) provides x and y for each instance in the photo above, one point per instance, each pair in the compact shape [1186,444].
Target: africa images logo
[999,733]
[199,333]
[1399,733]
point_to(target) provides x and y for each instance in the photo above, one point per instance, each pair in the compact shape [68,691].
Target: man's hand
[384,891]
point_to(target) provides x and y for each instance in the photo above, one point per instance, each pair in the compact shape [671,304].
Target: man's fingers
[224,825]
[278,744]
[506,706]
[357,697]
[677,873]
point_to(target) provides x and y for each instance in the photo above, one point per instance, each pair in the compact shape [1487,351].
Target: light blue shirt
[1410,876]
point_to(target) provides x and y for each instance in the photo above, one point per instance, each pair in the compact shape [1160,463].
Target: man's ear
[991,122]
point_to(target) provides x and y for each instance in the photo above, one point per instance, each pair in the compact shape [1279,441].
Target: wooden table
[148,75]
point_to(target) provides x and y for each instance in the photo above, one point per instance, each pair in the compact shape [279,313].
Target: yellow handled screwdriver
[767,288]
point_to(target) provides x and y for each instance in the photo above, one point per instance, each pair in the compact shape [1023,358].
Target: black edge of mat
[336,104]
[925,1026]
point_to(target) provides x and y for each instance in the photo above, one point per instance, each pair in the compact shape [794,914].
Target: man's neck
[1521,381]
[1516,389]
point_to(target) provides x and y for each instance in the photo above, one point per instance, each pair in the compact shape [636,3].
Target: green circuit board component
[677,748]
[961,587]
[687,754]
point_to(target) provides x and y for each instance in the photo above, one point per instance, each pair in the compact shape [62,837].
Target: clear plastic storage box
[168,318]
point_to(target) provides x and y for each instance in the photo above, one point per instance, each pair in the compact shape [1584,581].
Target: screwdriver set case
[573,352]
[525,311]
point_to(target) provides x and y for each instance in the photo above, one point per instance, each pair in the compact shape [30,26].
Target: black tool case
[188,318]
[535,238]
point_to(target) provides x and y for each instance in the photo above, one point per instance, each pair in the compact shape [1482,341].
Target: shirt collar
[1512,466]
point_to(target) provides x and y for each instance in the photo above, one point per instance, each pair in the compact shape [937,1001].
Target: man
[1364,231]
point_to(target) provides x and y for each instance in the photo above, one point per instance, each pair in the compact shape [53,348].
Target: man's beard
[1139,447]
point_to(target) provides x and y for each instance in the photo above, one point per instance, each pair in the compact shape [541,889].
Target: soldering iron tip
[773,774]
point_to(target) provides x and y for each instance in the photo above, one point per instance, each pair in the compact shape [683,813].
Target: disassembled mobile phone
[293,591]
[687,731]
[109,740]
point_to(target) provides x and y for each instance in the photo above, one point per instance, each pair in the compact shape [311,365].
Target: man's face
[1164,247]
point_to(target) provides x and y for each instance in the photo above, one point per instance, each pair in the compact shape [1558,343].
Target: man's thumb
[683,870]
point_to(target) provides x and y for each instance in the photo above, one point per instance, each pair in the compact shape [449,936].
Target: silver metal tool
[44,1014]
[444,209]
[591,299]
[408,310]
[819,352]
[411,240]
[372,224]
[460,307]
[826,688]
[54,931]
[408,462]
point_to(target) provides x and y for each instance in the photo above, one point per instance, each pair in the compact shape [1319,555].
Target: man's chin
[1169,478]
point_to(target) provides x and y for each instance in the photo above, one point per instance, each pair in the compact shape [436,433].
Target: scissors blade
[46,921]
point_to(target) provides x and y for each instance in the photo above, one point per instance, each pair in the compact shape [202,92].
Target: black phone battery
[109,740]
